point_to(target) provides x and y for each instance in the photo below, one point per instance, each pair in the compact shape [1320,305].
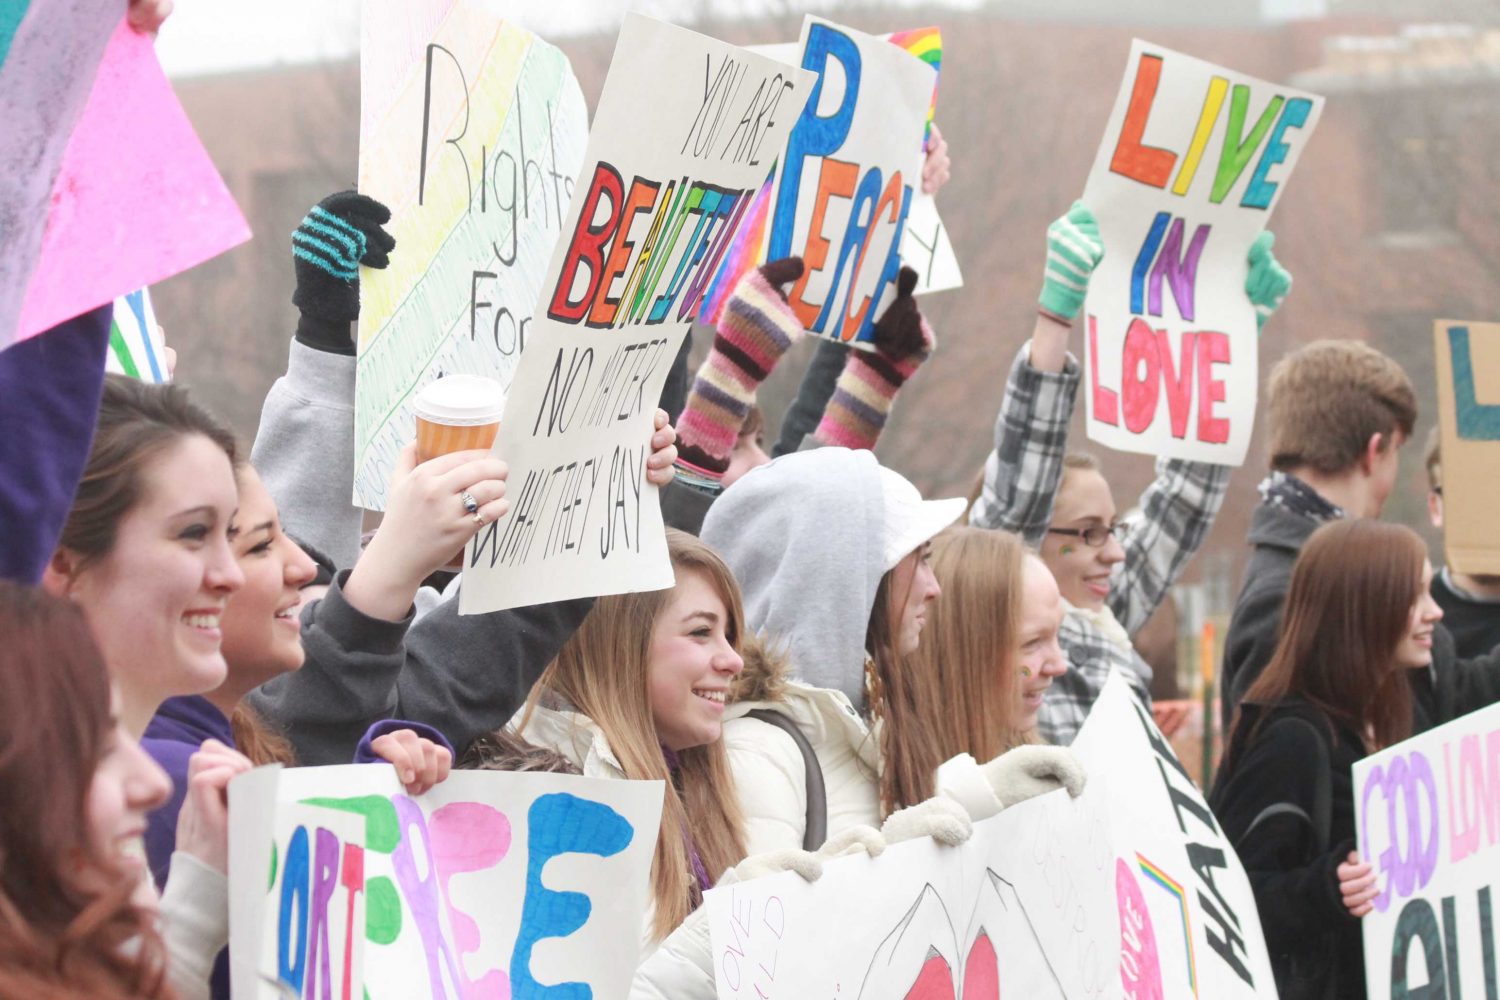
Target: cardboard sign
[1024,908]
[683,136]
[1468,384]
[1426,815]
[1192,163]
[491,884]
[846,179]
[1127,891]
[472,132]
[136,347]
[136,198]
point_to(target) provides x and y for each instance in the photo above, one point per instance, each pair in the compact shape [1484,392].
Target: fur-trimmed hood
[765,675]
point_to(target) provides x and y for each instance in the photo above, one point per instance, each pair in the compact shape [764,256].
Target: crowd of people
[841,664]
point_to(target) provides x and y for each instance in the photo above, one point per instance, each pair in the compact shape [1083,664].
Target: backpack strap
[816,829]
[1322,805]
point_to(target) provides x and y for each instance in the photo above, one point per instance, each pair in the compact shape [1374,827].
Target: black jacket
[1453,687]
[1265,799]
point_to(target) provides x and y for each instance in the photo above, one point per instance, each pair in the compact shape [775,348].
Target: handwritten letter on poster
[1193,161]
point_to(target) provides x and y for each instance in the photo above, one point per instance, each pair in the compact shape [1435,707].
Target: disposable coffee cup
[457,413]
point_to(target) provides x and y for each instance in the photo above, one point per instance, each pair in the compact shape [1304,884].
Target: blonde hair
[969,656]
[603,673]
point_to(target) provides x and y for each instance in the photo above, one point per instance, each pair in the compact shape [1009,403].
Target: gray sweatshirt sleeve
[304,451]
[464,676]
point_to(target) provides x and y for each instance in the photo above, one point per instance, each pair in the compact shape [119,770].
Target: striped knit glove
[755,330]
[1073,251]
[862,398]
[1268,282]
[341,232]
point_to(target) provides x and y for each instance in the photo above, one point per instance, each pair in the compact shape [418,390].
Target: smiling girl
[1359,615]
[990,651]
[623,700]
[74,792]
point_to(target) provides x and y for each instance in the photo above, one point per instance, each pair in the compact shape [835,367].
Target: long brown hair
[969,658]
[903,703]
[137,423]
[602,672]
[1348,606]
[57,940]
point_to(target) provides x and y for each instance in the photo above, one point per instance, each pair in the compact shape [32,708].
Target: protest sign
[342,885]
[1024,908]
[683,136]
[136,347]
[1128,891]
[1170,336]
[925,245]
[846,179]
[1468,384]
[106,187]
[1187,912]
[472,133]
[136,198]
[1428,815]
[49,55]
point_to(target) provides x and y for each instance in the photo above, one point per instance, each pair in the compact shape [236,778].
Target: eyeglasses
[1093,536]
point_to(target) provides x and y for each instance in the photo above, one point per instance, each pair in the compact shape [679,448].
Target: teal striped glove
[340,233]
[1073,251]
[1268,282]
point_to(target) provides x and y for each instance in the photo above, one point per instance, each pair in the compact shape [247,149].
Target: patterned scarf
[1281,489]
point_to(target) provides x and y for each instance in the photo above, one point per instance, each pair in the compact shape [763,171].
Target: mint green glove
[1073,251]
[1268,282]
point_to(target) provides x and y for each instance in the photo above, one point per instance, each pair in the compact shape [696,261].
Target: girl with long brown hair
[1359,615]
[74,792]
[990,649]
[832,552]
[639,692]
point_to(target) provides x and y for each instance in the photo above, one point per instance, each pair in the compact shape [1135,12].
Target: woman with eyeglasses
[1112,574]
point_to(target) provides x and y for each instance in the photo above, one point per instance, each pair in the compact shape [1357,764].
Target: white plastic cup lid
[460,400]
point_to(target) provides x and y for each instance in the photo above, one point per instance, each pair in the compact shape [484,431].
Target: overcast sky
[214,36]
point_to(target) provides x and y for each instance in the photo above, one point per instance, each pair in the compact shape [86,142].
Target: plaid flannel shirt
[1175,512]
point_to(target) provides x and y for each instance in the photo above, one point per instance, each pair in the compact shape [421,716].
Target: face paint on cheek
[1025,671]
[1067,550]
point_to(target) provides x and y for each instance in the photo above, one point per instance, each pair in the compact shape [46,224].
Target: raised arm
[304,447]
[1022,474]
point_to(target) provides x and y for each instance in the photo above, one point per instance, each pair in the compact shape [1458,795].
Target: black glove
[341,232]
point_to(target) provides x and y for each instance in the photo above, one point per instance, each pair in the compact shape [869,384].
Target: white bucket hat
[910,520]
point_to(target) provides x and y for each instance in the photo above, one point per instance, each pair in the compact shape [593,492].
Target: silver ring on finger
[470,504]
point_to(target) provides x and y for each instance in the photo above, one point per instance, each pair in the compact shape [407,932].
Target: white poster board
[1428,815]
[682,140]
[491,884]
[1193,162]
[847,177]
[1128,891]
[1188,921]
[472,131]
[1023,909]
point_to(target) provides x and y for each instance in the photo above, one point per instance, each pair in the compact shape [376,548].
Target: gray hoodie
[802,536]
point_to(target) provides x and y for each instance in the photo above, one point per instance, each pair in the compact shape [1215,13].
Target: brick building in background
[1389,222]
